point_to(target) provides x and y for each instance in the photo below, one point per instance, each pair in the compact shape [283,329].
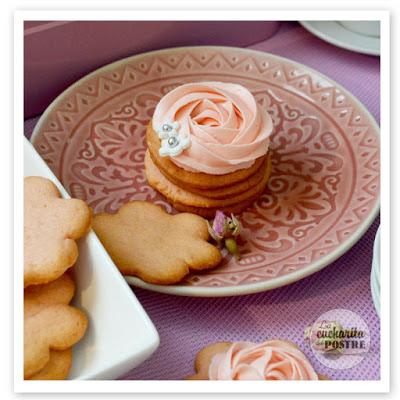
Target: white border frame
[201,386]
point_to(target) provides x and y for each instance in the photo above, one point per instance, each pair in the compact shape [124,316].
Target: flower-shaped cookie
[57,368]
[145,241]
[51,327]
[172,142]
[51,226]
[55,327]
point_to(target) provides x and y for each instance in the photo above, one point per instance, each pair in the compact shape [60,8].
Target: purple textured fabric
[187,324]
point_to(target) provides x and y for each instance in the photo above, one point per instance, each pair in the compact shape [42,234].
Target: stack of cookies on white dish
[51,325]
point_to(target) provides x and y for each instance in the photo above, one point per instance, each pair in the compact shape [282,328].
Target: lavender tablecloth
[187,324]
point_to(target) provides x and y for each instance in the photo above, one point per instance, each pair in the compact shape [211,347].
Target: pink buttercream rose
[228,130]
[271,360]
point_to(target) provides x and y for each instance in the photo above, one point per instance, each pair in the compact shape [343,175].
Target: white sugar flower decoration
[172,142]
[169,128]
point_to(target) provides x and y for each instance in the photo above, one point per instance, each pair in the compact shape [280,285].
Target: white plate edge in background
[371,45]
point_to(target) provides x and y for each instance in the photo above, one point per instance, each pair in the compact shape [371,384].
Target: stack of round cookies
[208,148]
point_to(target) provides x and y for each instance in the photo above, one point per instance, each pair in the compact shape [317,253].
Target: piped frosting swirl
[271,360]
[228,130]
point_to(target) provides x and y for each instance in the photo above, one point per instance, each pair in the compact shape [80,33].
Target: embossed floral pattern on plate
[324,189]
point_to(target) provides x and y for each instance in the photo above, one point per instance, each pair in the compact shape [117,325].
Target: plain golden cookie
[145,241]
[198,180]
[51,226]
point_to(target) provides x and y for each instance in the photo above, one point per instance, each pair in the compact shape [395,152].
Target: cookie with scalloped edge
[55,327]
[145,241]
[51,327]
[51,227]
[57,368]
[59,291]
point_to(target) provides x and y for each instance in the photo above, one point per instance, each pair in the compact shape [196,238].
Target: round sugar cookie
[209,213]
[177,196]
[225,191]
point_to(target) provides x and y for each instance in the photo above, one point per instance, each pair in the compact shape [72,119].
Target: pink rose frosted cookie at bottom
[270,360]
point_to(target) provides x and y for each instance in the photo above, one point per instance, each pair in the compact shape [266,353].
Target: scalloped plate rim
[196,291]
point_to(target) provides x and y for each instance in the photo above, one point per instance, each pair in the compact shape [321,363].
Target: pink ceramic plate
[324,189]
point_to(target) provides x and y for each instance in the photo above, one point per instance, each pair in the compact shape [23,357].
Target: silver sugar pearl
[173,141]
[167,128]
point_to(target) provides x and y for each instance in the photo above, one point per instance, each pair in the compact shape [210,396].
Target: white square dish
[120,335]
